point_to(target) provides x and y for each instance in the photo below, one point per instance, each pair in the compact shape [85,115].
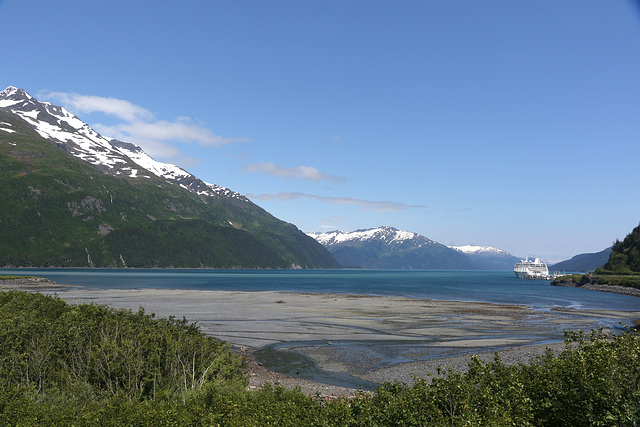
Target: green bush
[49,348]
[598,383]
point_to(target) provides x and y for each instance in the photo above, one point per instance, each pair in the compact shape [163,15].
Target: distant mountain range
[389,248]
[488,258]
[71,197]
[583,263]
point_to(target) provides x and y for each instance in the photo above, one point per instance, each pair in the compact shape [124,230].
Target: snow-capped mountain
[487,257]
[112,156]
[389,248]
[479,250]
[70,197]
[388,235]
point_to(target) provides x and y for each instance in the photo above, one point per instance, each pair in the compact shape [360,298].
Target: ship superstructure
[536,269]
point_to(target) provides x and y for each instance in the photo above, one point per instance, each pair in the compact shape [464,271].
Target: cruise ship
[535,269]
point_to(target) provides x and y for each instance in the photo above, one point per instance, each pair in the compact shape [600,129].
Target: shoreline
[370,338]
[29,283]
[35,282]
[614,289]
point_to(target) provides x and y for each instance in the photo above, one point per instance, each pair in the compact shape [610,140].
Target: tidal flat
[334,344]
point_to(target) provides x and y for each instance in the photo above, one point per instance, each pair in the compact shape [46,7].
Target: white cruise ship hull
[536,269]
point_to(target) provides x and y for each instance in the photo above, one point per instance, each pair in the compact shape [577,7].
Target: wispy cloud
[330,223]
[139,125]
[300,172]
[369,205]
[182,130]
[119,108]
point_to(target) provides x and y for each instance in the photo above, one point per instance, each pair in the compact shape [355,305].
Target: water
[500,287]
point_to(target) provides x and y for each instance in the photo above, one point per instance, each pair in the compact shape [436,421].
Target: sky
[512,124]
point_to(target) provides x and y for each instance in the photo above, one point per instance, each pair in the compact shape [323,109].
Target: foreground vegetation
[92,365]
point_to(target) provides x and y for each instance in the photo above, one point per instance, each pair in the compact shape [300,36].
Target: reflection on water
[280,358]
[344,363]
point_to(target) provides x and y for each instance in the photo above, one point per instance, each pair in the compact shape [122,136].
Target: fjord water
[500,287]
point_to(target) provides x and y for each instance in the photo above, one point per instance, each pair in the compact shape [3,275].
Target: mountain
[488,258]
[583,263]
[620,274]
[71,197]
[388,248]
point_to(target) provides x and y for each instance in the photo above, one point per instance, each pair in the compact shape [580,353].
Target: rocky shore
[29,284]
[594,286]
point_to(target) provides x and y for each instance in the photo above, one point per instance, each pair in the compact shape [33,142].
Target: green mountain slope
[625,256]
[58,210]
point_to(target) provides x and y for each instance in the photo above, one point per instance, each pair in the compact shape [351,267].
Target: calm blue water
[483,286]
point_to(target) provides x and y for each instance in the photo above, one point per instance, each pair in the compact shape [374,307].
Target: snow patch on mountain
[113,156]
[135,153]
[66,130]
[477,250]
[487,257]
[6,129]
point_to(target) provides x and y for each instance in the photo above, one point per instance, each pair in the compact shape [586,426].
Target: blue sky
[513,124]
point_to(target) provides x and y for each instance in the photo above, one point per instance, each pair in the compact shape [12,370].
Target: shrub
[48,348]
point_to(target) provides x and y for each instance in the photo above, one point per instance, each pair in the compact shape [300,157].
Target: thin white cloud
[181,130]
[329,223]
[300,172]
[119,108]
[139,126]
[368,205]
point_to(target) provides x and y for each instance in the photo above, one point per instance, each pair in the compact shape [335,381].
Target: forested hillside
[59,210]
[625,256]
